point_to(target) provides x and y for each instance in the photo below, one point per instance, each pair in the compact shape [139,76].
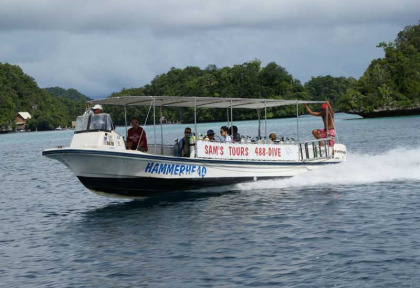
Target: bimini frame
[202,102]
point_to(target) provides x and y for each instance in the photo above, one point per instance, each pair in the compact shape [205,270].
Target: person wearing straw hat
[329,130]
[136,137]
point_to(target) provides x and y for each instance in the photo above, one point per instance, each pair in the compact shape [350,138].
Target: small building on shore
[21,119]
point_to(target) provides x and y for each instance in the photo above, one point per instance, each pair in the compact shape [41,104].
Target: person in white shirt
[224,134]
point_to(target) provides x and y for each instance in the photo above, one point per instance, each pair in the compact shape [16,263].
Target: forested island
[390,86]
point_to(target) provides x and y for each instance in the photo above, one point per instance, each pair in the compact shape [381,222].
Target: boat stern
[340,152]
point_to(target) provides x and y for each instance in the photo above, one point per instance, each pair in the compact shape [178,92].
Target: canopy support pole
[195,117]
[154,121]
[327,116]
[259,123]
[297,121]
[227,117]
[231,118]
[125,119]
[161,132]
[265,107]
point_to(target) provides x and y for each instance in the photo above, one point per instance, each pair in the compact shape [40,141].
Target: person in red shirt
[136,134]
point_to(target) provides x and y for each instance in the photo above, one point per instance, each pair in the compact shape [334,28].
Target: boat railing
[307,150]
[316,149]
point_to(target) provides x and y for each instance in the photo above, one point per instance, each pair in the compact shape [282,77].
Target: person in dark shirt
[209,135]
[184,144]
[233,133]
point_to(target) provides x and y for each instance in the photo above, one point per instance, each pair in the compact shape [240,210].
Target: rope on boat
[144,125]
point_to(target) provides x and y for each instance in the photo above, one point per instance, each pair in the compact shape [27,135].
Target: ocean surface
[356,224]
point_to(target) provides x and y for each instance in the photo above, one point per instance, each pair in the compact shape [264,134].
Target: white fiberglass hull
[136,174]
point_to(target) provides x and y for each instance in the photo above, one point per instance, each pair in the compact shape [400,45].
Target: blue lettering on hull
[175,169]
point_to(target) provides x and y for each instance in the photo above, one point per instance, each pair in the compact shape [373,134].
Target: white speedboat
[97,154]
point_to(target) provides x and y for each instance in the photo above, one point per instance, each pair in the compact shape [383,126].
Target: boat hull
[146,187]
[136,174]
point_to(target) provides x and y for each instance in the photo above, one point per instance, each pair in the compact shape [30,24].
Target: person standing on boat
[224,134]
[97,121]
[97,109]
[329,130]
[184,144]
[136,137]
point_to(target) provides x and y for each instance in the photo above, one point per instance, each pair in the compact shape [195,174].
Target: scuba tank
[192,145]
[176,148]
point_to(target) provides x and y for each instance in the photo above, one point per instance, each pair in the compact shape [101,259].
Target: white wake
[394,165]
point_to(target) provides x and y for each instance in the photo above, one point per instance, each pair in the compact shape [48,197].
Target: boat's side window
[82,123]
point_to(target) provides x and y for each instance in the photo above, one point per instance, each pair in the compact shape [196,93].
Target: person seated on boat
[327,114]
[233,133]
[136,137]
[209,135]
[184,144]
[224,134]
[273,137]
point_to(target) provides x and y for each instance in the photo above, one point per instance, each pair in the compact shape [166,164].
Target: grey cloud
[83,16]
[99,47]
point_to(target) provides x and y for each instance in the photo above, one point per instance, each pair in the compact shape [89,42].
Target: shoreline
[388,113]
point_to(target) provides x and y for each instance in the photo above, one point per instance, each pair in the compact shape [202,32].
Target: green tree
[392,82]
[328,88]
[20,93]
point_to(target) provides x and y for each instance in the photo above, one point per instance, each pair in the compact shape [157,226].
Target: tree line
[248,80]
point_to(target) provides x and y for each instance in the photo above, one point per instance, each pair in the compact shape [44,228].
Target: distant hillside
[71,94]
[20,93]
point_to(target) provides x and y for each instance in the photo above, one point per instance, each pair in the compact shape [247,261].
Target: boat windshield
[93,122]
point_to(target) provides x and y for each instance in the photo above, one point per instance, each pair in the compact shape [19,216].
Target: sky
[102,46]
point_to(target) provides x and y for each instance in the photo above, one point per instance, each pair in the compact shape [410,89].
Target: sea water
[355,224]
